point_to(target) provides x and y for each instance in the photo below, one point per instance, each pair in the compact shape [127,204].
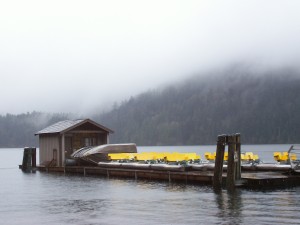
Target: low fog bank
[211,77]
[262,104]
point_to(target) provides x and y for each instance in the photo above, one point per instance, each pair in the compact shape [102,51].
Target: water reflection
[230,206]
[75,205]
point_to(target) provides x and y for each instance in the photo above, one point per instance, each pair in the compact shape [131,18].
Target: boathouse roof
[66,125]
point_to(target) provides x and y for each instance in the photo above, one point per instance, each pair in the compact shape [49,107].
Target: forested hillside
[264,107]
[19,130]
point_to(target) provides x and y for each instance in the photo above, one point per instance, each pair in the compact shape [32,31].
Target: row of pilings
[233,177]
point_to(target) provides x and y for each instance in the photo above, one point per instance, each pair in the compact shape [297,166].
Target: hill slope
[264,108]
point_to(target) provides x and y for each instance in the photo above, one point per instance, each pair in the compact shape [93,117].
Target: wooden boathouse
[58,141]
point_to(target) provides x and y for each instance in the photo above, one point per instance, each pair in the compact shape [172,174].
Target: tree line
[19,130]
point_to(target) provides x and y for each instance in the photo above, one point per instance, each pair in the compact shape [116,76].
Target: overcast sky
[72,56]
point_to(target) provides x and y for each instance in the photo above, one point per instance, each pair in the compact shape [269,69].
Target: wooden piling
[29,159]
[33,157]
[231,165]
[218,171]
[238,154]
[26,163]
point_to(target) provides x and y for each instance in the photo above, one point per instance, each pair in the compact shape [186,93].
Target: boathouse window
[89,142]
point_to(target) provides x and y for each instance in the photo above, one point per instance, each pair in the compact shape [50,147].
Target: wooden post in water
[29,159]
[26,159]
[234,161]
[231,165]
[33,157]
[238,154]
[218,171]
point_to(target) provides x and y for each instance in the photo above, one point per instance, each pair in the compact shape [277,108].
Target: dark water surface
[41,198]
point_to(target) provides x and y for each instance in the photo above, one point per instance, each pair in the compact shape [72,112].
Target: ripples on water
[41,198]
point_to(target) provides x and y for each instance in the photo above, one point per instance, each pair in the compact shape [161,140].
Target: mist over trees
[264,107]
[19,130]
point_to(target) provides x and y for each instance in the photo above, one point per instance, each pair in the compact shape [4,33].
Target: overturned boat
[96,154]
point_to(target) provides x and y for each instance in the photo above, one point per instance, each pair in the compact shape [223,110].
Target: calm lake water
[41,198]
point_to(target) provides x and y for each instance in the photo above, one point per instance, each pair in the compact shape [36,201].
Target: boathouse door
[68,147]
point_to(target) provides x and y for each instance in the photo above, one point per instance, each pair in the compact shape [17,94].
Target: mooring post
[231,165]
[33,157]
[238,170]
[25,159]
[29,159]
[218,171]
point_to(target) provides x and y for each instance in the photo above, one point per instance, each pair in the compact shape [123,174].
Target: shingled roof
[66,125]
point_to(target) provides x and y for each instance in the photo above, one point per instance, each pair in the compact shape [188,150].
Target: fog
[81,56]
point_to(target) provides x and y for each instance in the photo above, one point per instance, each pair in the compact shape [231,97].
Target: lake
[42,198]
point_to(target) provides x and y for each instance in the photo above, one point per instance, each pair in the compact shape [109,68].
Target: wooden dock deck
[248,179]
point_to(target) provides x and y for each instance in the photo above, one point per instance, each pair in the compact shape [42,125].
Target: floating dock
[248,179]
[228,170]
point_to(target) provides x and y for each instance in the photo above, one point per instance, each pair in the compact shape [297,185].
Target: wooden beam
[86,132]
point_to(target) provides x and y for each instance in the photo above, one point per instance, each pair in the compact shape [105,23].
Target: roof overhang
[87,121]
[68,125]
